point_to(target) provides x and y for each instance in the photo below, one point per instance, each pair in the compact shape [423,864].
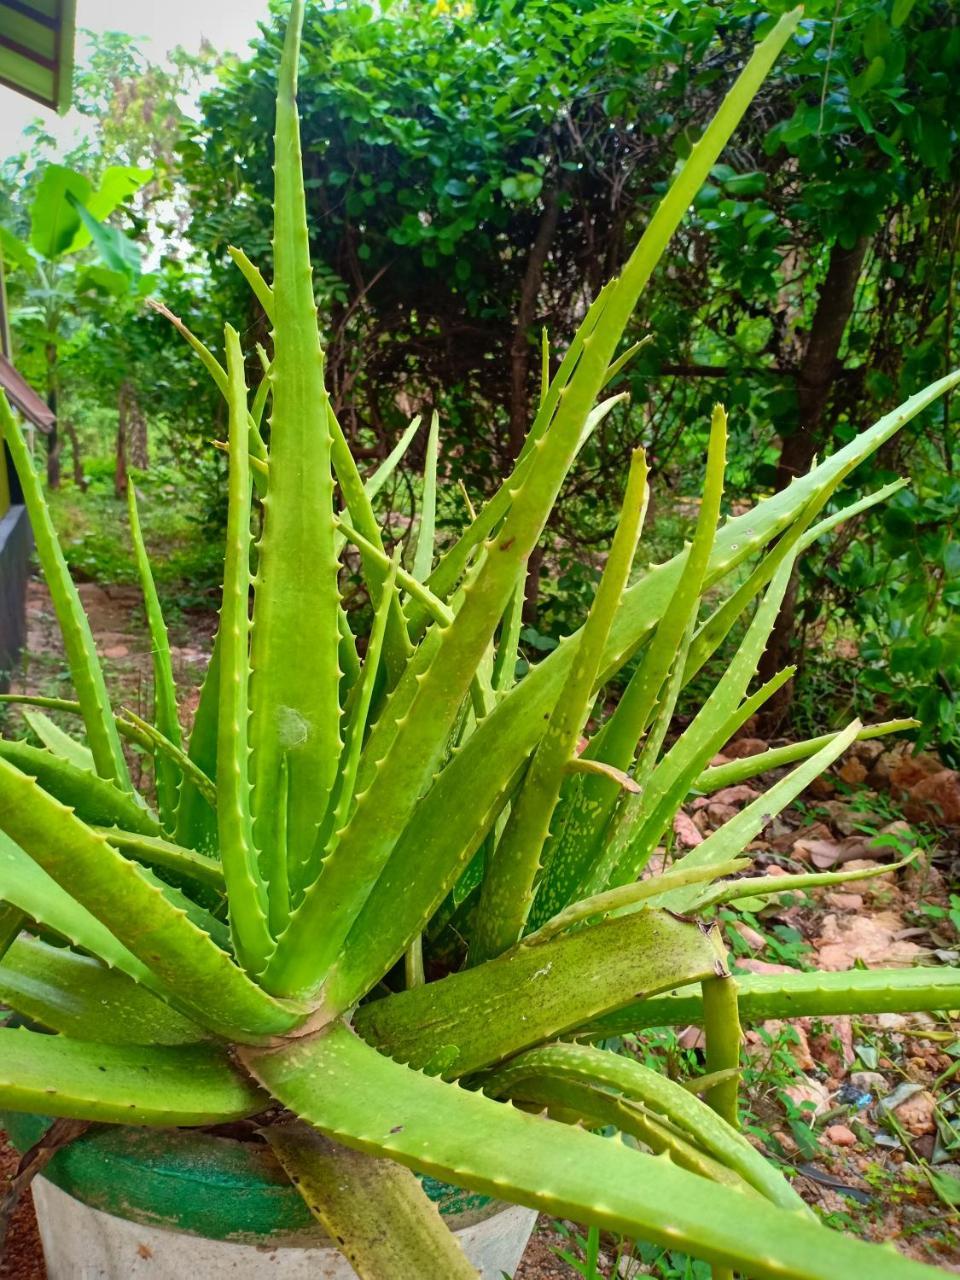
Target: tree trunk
[815,379]
[137,437]
[527,309]
[123,411]
[79,479]
[520,350]
[53,437]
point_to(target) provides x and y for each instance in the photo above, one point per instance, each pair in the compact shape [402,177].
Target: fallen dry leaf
[870,939]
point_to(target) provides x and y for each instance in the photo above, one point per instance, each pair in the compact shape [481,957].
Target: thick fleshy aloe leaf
[397,646]
[377,1212]
[358,1097]
[95,800]
[258,450]
[81,997]
[122,1084]
[251,273]
[456,813]
[530,994]
[798,995]
[642,819]
[60,743]
[375,483]
[163,855]
[630,896]
[295,702]
[166,717]
[591,800]
[423,557]
[85,670]
[25,885]
[602,1069]
[512,870]
[201,977]
[728,775]
[574,1102]
[196,824]
[733,837]
[330,907]
[246,891]
[357,725]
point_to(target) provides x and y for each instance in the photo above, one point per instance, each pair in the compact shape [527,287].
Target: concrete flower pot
[123,1203]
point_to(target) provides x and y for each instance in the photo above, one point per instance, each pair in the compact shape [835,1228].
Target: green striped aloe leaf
[766,886]
[574,1102]
[330,907]
[193,1084]
[397,646]
[453,563]
[357,722]
[796,995]
[736,834]
[96,800]
[714,630]
[608,315]
[254,278]
[426,534]
[736,771]
[164,855]
[26,886]
[642,819]
[205,980]
[626,1076]
[511,871]
[166,715]
[356,1096]
[375,1207]
[382,474]
[455,814]
[85,669]
[629,896]
[196,823]
[530,994]
[251,911]
[591,800]
[295,702]
[79,996]
[60,743]
[504,674]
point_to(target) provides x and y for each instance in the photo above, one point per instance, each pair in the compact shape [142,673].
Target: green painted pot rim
[200,1183]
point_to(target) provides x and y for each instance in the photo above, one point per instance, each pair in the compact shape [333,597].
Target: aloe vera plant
[390,894]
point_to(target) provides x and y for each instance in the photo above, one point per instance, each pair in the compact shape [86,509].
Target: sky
[227,24]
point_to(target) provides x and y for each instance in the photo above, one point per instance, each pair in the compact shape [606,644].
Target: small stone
[685,829]
[844,901]
[840,1135]
[891,1021]
[918,1113]
[868,1081]
[743,747]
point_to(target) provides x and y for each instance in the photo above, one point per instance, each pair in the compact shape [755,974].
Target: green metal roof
[36,49]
